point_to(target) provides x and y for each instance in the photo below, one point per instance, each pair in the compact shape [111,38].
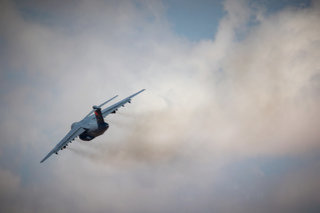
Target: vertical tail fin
[98,114]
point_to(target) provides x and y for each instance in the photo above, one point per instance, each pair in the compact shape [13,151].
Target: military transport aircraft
[91,125]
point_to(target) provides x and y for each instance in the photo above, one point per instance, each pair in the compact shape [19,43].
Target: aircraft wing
[113,108]
[73,133]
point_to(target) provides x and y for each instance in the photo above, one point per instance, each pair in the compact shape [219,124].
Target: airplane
[91,125]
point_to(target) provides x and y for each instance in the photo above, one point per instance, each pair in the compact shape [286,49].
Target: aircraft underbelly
[92,133]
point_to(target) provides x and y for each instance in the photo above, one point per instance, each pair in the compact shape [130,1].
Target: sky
[229,121]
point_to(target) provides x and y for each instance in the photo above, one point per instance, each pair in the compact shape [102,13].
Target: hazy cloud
[225,125]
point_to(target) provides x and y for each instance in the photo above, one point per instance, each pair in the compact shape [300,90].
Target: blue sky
[197,20]
[228,121]
[194,20]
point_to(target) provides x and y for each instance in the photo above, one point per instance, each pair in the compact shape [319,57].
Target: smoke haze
[228,124]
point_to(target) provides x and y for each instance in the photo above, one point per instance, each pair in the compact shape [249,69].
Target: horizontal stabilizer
[100,105]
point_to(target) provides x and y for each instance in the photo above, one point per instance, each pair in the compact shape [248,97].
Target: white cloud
[206,103]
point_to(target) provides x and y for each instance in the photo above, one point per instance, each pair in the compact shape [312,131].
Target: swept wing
[114,107]
[72,134]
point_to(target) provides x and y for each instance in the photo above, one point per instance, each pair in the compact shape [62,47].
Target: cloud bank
[225,125]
